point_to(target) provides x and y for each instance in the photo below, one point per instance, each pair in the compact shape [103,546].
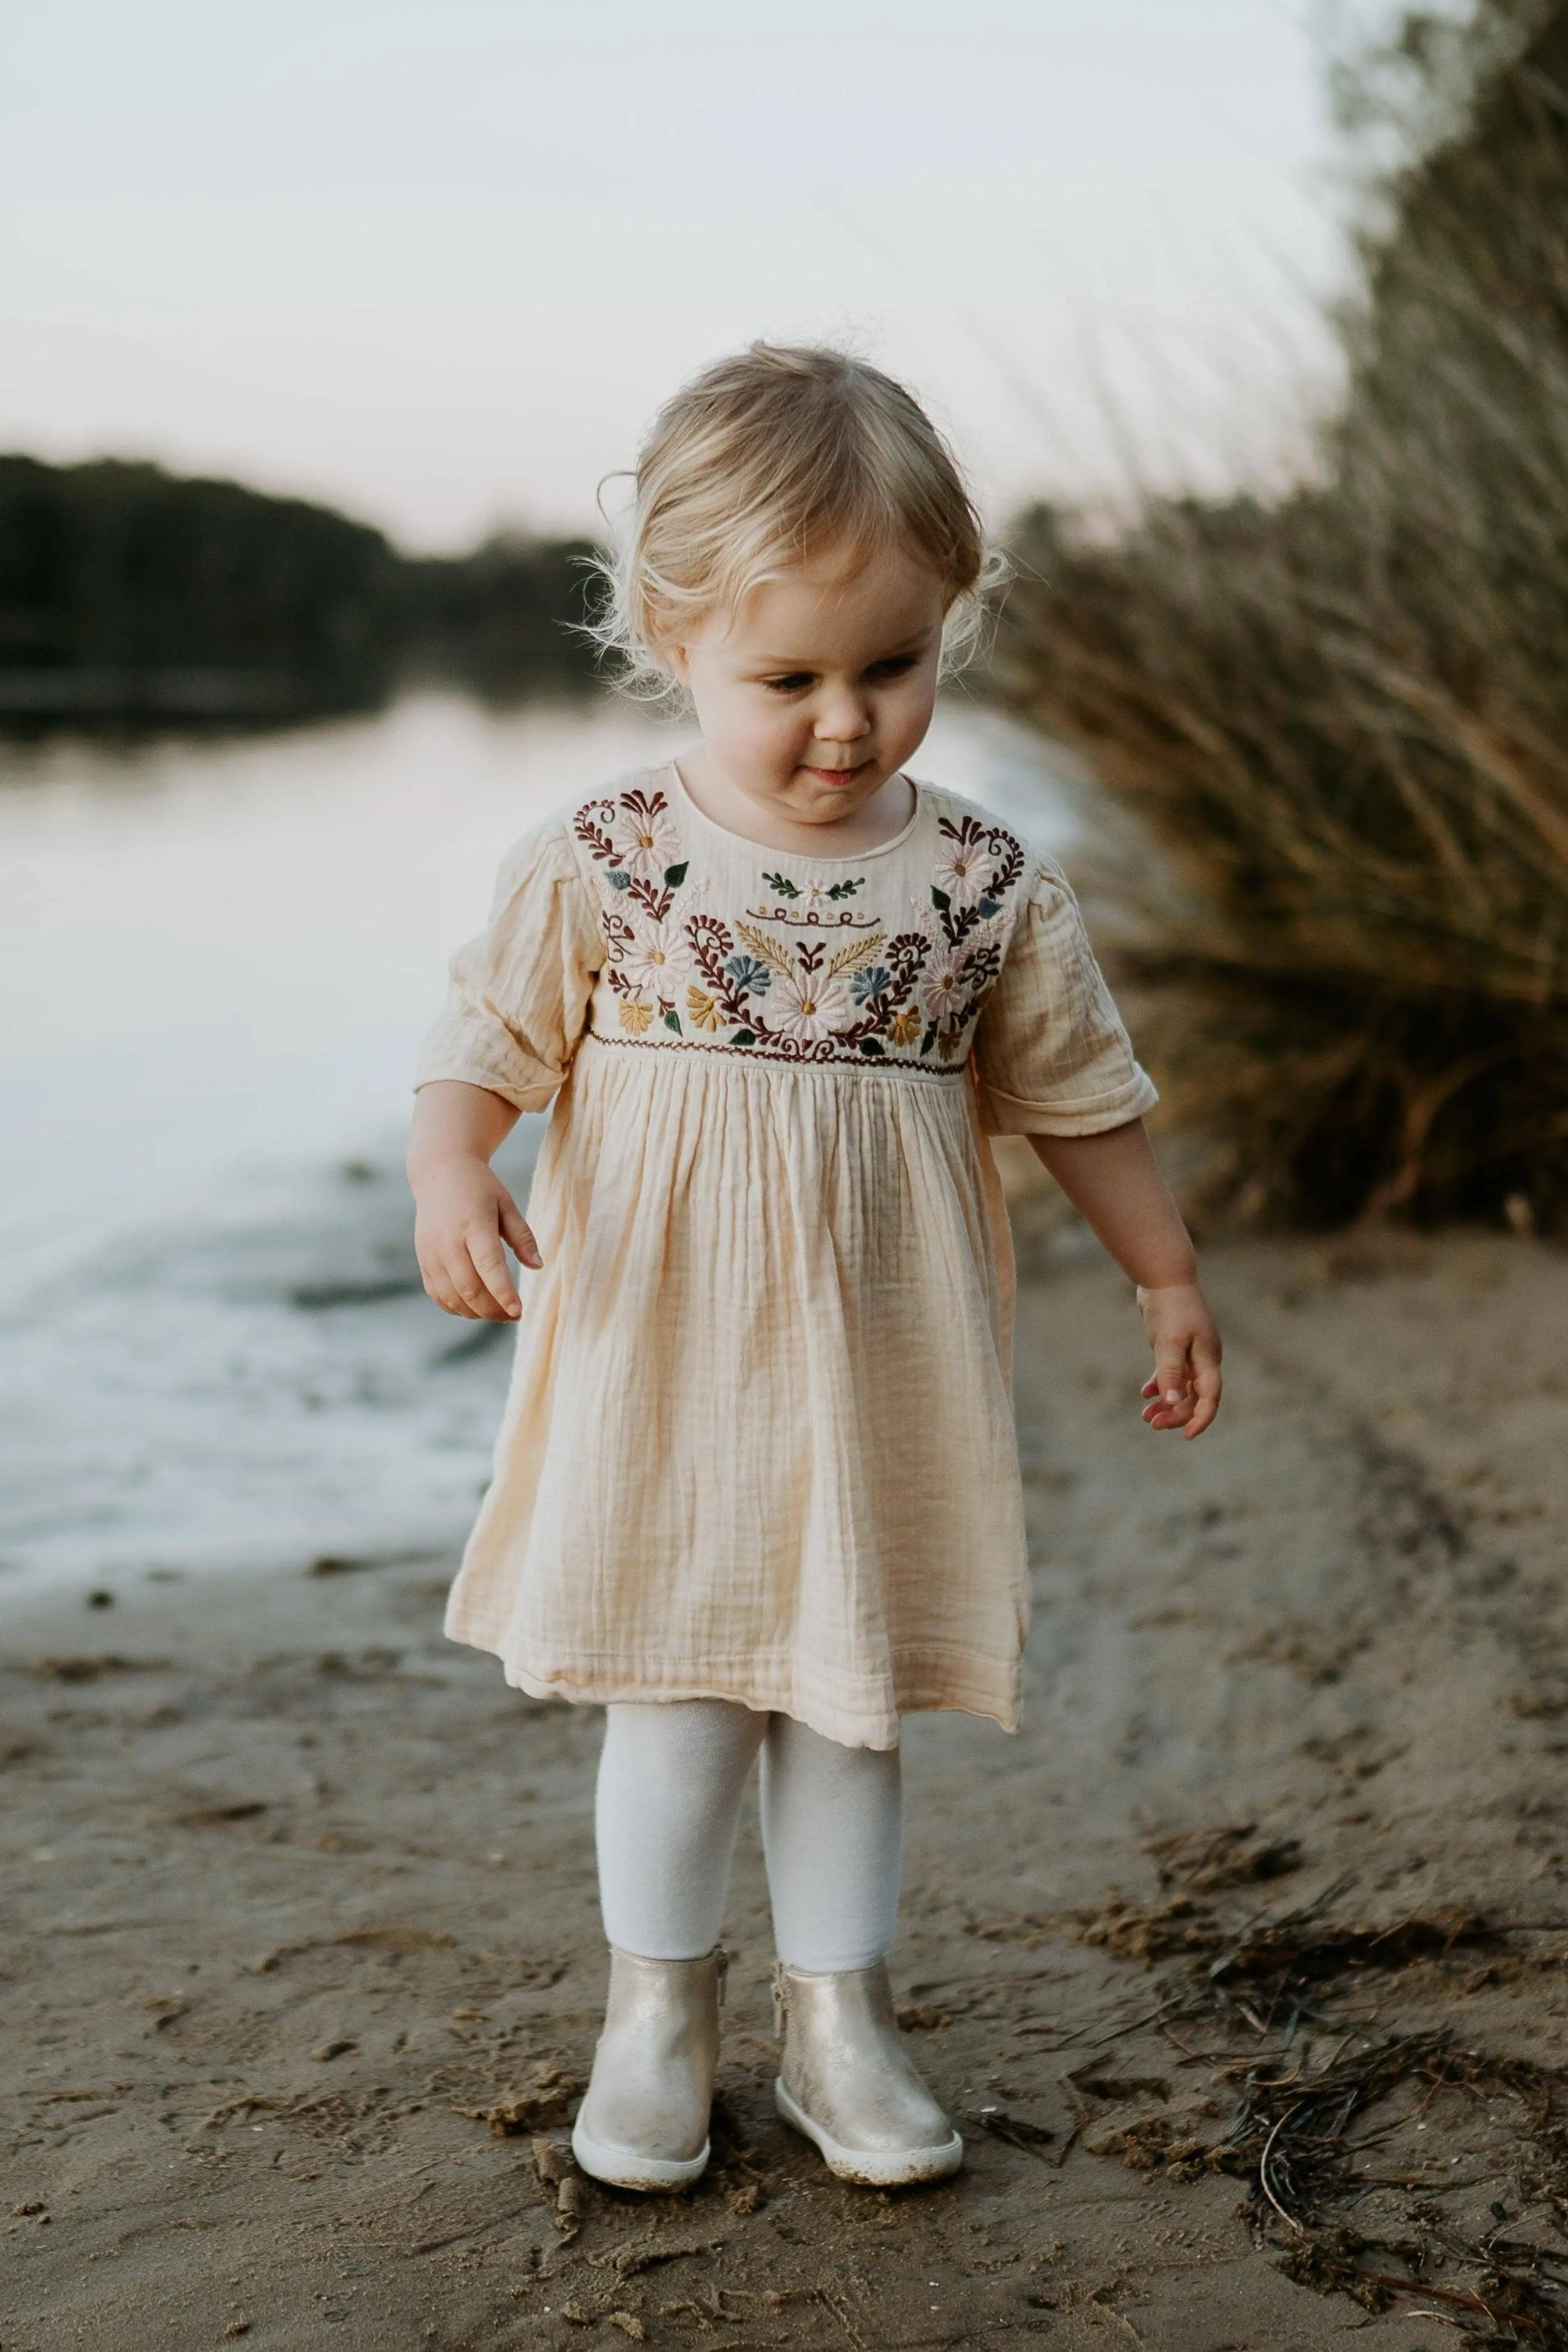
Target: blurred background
[328,341]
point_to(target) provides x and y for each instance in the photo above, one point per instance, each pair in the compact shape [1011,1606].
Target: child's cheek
[771,743]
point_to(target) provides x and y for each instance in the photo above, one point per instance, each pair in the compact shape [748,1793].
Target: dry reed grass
[1341,717]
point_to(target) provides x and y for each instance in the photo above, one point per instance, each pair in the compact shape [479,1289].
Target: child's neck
[872,825]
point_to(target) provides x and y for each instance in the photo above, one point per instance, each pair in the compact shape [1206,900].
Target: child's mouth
[839,776]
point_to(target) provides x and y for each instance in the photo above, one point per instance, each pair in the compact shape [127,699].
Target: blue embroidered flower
[870,983]
[750,976]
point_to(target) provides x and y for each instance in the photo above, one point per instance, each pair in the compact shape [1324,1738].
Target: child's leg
[832,1820]
[670,1781]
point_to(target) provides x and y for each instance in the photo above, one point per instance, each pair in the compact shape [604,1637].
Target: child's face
[821,685]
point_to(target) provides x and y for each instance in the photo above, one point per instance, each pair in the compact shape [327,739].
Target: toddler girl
[757,1491]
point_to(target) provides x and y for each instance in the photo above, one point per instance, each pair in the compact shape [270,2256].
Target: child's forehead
[830,602]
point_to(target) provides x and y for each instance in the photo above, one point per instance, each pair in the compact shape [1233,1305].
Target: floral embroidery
[961,870]
[942,989]
[751,978]
[634,836]
[644,834]
[815,897]
[706,1010]
[657,958]
[810,1006]
[785,888]
[809,976]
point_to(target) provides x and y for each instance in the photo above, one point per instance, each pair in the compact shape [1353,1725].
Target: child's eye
[791,684]
[896,666]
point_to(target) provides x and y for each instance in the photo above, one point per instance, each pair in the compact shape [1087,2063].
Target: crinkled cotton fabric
[759,1443]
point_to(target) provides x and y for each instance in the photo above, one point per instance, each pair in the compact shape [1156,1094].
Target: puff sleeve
[519,996]
[1053,1056]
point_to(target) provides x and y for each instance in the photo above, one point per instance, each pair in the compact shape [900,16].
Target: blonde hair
[762,461]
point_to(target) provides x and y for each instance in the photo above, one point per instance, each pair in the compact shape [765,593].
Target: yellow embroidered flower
[635,1015]
[703,1009]
[905,1026]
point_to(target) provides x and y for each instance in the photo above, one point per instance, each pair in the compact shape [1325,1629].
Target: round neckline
[802,857]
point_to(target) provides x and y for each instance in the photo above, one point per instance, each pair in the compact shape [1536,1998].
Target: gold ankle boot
[848,2084]
[642,2123]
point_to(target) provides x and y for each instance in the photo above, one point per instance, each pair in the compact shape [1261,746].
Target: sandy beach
[301,1950]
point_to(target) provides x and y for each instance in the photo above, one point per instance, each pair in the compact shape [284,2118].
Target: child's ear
[677,661]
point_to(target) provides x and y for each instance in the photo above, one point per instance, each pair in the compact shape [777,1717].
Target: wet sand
[301,1956]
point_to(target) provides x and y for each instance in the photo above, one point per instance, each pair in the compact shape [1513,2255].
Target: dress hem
[922,1682]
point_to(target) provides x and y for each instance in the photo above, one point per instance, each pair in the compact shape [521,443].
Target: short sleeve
[1053,1056]
[519,996]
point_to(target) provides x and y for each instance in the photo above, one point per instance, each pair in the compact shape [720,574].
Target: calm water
[215,958]
[215,963]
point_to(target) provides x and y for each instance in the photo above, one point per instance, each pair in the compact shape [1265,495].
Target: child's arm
[464,1211]
[1113,1181]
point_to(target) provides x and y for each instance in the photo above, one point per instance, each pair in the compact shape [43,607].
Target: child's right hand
[464,1212]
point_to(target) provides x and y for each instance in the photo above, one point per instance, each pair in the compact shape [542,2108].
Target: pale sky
[440,262]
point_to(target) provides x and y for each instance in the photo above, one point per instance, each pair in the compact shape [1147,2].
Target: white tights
[670,1781]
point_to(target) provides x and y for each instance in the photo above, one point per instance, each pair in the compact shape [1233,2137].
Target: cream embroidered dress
[759,1443]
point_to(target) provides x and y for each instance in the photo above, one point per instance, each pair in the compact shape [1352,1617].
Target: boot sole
[900,2168]
[623,2168]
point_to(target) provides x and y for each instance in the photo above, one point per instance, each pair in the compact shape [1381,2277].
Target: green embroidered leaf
[782,885]
[987,907]
[744,1036]
[872,1046]
[672,1021]
[929,1040]
[940,899]
[847,889]
[675,876]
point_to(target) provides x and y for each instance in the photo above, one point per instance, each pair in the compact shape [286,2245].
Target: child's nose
[843,719]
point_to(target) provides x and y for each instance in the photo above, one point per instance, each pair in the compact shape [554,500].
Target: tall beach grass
[1341,715]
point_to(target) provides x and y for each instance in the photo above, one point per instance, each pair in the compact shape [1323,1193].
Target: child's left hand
[1184,1387]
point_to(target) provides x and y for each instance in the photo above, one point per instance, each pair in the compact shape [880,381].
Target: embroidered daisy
[942,989]
[645,837]
[808,1007]
[658,958]
[962,870]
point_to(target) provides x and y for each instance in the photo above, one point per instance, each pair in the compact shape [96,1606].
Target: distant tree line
[127,592]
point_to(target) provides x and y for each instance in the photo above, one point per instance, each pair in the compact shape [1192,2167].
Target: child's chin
[833,794]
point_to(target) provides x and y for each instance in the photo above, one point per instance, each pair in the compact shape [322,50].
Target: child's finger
[489,1264]
[519,1233]
[471,1287]
[443,1291]
[1172,1374]
[1209,1387]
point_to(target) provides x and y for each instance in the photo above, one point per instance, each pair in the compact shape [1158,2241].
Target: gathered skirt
[759,1443]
